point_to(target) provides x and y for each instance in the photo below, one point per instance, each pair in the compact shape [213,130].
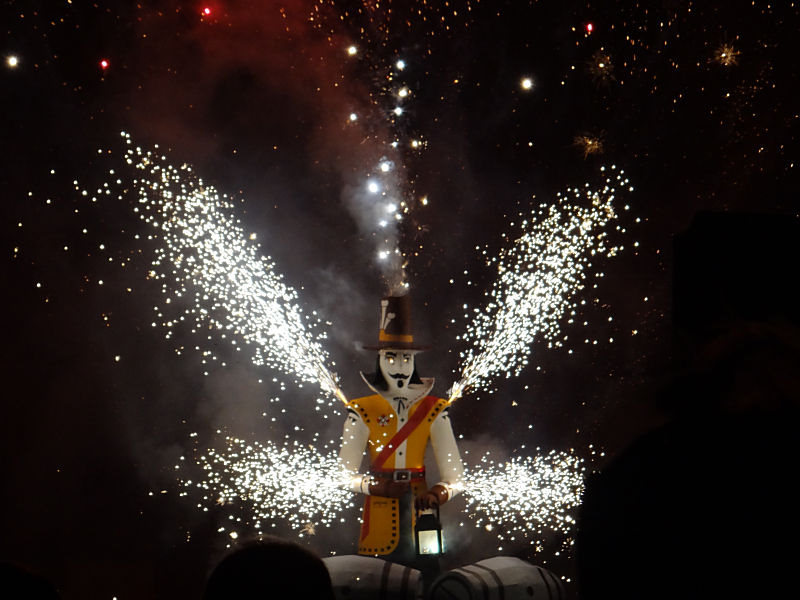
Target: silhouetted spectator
[270,568]
[705,506]
[17,581]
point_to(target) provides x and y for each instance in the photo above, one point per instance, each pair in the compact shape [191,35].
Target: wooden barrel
[357,577]
[498,578]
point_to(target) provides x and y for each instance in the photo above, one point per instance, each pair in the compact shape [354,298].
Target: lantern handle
[425,510]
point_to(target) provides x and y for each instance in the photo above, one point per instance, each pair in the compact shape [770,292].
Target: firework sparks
[525,498]
[233,292]
[207,258]
[292,484]
[538,279]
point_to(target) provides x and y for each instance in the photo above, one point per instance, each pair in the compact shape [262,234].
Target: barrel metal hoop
[480,578]
[385,580]
[543,574]
[404,586]
[500,587]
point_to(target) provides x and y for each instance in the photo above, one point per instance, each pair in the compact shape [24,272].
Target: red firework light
[104,64]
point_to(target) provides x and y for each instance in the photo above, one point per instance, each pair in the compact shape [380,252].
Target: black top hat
[395,325]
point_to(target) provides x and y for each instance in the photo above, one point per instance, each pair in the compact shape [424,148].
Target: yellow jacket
[396,436]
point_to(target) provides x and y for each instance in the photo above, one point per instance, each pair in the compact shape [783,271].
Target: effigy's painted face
[397,367]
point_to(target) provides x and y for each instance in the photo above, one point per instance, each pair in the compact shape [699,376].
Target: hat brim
[398,345]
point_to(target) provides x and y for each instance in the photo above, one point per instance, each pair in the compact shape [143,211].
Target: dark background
[256,97]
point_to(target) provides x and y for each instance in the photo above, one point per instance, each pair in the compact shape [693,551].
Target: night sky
[508,103]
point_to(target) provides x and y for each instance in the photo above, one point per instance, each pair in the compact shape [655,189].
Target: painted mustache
[399,377]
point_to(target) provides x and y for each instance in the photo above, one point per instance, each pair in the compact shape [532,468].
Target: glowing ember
[602,67]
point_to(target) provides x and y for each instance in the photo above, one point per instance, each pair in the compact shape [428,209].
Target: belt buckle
[401,475]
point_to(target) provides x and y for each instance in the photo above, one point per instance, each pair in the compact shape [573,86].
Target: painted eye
[391,360]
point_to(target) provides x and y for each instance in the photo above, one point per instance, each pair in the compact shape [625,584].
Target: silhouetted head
[701,507]
[270,568]
[18,582]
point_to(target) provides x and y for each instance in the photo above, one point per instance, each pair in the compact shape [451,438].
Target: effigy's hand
[389,488]
[435,496]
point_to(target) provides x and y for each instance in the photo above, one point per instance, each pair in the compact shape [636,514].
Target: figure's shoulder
[432,405]
[438,408]
[366,402]
[368,406]
[438,405]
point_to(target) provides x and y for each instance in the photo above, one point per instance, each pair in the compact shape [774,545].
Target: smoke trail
[377,204]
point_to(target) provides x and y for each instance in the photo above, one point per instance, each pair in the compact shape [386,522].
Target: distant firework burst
[538,280]
[589,144]
[726,55]
[207,263]
[601,67]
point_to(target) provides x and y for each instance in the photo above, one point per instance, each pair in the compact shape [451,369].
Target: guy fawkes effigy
[394,425]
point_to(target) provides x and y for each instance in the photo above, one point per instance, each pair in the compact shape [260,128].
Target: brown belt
[399,474]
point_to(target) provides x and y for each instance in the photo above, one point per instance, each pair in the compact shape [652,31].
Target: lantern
[428,534]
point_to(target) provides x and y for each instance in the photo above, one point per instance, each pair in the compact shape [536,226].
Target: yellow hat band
[388,337]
